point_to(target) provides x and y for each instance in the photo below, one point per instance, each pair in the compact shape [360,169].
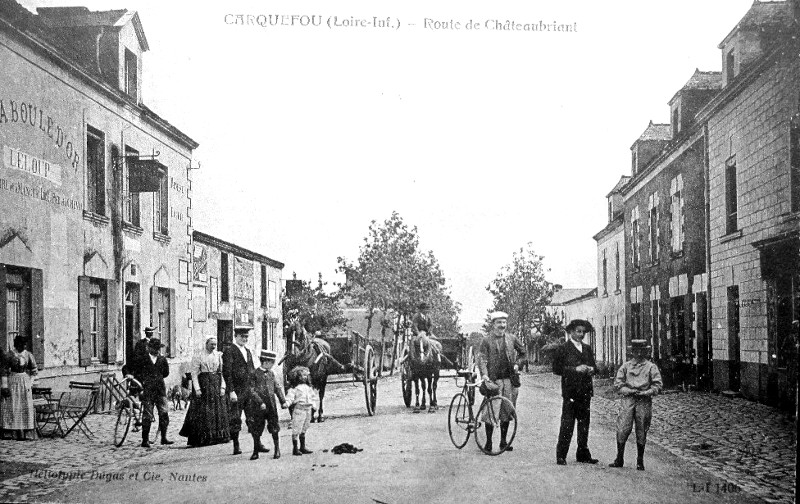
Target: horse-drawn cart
[455,354]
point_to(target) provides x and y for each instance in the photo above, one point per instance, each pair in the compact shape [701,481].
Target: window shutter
[154,306]
[37,316]
[172,324]
[84,323]
[113,326]
[3,308]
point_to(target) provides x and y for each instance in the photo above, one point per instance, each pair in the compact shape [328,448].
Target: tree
[306,300]
[392,276]
[521,290]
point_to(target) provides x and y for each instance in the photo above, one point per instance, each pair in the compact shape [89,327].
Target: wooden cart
[356,351]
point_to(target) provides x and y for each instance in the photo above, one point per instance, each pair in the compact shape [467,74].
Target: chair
[47,412]
[76,403]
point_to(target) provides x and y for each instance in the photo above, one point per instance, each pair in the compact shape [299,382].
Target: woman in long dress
[18,420]
[206,421]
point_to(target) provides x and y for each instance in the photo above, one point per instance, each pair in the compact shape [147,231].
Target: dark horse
[424,357]
[315,354]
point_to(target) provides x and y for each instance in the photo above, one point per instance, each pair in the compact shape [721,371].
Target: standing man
[574,362]
[638,380]
[237,371]
[151,371]
[140,350]
[499,357]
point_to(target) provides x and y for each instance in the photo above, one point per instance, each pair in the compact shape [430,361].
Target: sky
[485,140]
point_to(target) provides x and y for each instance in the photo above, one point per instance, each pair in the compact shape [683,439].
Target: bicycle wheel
[124,416]
[499,414]
[459,421]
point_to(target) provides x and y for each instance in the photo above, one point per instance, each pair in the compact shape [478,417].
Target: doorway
[132,319]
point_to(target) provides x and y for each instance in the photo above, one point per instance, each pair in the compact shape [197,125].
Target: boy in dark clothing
[263,407]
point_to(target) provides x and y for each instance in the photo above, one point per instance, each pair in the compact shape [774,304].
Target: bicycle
[130,409]
[462,422]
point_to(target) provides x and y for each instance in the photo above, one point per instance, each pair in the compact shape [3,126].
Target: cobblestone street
[740,441]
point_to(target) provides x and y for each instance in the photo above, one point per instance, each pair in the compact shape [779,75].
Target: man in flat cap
[151,372]
[574,362]
[499,357]
[637,381]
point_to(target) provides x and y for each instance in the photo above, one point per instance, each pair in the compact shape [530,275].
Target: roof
[656,132]
[764,16]
[235,249]
[622,181]
[700,81]
[565,296]
[75,17]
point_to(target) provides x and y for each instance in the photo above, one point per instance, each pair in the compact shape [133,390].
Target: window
[273,294]
[223,279]
[733,337]
[13,311]
[676,214]
[633,163]
[22,309]
[654,326]
[130,199]
[131,75]
[263,286]
[730,66]
[96,343]
[676,121]
[610,210]
[677,326]
[794,154]
[635,238]
[95,171]
[654,232]
[273,328]
[731,197]
[616,267]
[605,273]
[161,207]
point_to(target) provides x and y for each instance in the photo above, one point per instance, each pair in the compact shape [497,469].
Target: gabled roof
[655,132]
[77,17]
[700,81]
[763,16]
[622,181]
[565,296]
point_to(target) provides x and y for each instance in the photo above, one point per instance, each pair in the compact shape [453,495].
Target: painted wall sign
[39,193]
[243,292]
[28,114]
[200,261]
[15,159]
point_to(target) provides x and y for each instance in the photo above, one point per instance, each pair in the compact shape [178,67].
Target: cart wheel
[370,380]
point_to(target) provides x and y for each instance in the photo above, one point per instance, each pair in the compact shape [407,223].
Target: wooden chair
[75,404]
[47,412]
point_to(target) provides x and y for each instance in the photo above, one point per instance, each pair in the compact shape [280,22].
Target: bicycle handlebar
[133,380]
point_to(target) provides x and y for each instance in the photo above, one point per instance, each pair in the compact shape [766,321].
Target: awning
[144,175]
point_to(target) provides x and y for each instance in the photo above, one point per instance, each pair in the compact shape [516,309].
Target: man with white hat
[499,357]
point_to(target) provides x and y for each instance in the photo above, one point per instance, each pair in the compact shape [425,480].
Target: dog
[179,394]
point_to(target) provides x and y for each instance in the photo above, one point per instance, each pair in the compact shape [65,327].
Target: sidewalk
[740,441]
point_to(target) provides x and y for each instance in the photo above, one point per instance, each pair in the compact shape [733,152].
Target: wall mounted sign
[200,261]
[15,159]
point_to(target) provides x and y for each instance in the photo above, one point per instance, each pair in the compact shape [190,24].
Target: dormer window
[676,121]
[131,75]
[633,162]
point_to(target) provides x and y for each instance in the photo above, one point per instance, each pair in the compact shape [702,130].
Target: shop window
[131,74]
[731,197]
[21,309]
[161,207]
[795,163]
[131,199]
[224,287]
[162,317]
[95,171]
[97,342]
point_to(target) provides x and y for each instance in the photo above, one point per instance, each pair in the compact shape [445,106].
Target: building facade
[610,316]
[95,195]
[235,289]
[753,130]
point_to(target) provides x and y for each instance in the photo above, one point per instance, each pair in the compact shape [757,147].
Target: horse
[424,363]
[315,354]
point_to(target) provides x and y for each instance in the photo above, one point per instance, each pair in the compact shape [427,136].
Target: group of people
[224,385]
[501,354]
[17,371]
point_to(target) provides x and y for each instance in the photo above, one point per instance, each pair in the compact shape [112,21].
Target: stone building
[580,303]
[235,289]
[753,161]
[611,305]
[95,194]
[665,237]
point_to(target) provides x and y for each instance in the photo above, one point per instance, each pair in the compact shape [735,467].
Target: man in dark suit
[574,362]
[140,350]
[237,371]
[151,370]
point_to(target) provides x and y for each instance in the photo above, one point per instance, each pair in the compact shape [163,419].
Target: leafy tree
[521,290]
[307,300]
[392,276]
